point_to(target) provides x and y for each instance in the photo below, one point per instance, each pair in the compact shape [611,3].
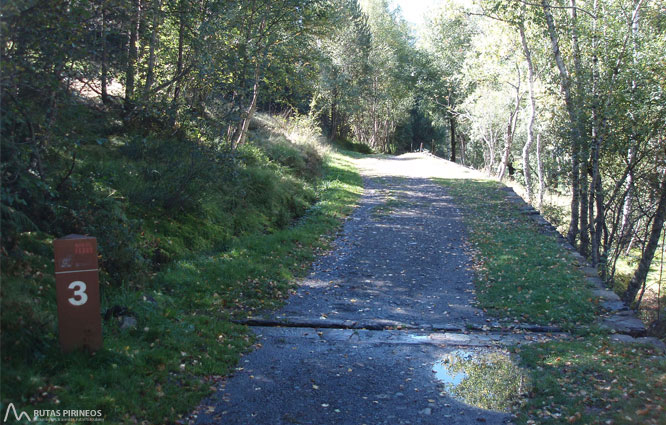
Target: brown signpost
[77,293]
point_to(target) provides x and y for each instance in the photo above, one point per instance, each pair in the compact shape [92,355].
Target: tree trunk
[181,41]
[150,73]
[491,140]
[132,54]
[501,171]
[241,132]
[599,220]
[510,131]
[638,279]
[452,127]
[583,157]
[373,138]
[596,188]
[530,123]
[626,229]
[104,77]
[334,114]
[565,84]
[542,183]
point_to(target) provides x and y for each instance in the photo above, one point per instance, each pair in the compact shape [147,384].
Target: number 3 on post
[79,291]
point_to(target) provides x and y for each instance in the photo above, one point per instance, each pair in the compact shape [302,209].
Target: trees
[585,81]
[345,75]
[588,68]
[598,56]
[447,43]
[365,86]
[598,122]
[73,70]
[530,125]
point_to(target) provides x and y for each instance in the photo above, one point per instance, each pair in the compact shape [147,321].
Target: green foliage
[184,339]
[365,85]
[524,274]
[593,381]
[352,146]
[173,174]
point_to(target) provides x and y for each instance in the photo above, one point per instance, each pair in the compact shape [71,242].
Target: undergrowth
[190,237]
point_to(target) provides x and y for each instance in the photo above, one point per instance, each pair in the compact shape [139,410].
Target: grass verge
[594,381]
[522,275]
[166,344]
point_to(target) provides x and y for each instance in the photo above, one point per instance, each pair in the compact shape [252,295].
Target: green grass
[525,275]
[184,340]
[594,381]
[522,274]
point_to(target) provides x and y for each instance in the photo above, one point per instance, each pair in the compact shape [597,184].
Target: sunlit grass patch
[594,381]
[522,274]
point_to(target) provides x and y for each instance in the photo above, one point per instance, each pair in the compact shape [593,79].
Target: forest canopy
[564,97]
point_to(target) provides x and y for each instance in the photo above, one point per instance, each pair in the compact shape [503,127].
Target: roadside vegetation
[139,122]
[493,84]
[593,380]
[168,308]
[524,276]
[567,100]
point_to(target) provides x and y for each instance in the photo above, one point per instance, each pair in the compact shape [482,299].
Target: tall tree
[530,124]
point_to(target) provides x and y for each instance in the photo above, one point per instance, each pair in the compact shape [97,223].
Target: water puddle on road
[486,379]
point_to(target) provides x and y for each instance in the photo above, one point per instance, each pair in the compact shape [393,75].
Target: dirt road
[358,342]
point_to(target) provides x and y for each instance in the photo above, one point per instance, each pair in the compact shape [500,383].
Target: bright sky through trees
[414,10]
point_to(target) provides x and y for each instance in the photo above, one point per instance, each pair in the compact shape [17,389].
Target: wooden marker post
[77,293]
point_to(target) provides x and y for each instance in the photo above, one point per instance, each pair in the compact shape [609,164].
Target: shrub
[92,208]
[174,174]
[303,160]
[359,147]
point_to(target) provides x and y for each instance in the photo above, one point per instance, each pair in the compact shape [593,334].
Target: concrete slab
[625,323]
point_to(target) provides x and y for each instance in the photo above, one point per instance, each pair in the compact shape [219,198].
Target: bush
[174,175]
[359,147]
[303,160]
[91,208]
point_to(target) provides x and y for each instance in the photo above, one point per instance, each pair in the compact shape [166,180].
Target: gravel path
[400,259]
[399,263]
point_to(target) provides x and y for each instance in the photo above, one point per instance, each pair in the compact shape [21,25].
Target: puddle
[486,379]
